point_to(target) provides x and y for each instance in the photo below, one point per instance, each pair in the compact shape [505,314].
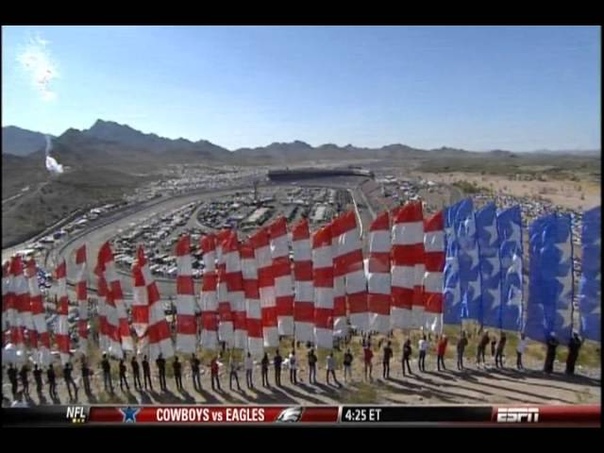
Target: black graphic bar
[416,414]
[75,415]
[103,415]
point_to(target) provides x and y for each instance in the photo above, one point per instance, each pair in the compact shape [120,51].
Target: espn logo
[517,415]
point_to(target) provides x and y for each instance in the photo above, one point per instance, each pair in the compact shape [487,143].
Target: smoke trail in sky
[48,145]
[40,67]
[51,163]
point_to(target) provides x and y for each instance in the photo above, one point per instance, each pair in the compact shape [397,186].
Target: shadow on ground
[472,385]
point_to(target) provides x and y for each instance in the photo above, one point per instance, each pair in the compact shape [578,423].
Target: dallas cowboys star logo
[129,414]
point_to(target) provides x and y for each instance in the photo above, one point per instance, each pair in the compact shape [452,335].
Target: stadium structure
[288,175]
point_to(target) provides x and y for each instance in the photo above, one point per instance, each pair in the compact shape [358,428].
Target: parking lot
[390,190]
[244,211]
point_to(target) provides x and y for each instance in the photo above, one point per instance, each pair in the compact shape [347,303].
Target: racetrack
[96,236]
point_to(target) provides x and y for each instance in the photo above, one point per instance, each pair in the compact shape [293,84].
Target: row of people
[279,363]
[14,376]
[497,345]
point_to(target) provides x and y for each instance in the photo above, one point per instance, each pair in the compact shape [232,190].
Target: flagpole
[231,354]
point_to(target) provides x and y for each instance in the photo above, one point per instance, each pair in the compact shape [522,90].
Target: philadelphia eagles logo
[290,415]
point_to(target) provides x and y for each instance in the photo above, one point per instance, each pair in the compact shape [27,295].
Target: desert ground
[566,193]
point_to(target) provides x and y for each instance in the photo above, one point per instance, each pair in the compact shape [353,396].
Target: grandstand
[314,173]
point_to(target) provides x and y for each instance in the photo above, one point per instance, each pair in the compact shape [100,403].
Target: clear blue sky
[479,88]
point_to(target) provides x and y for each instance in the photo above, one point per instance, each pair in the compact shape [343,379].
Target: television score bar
[103,415]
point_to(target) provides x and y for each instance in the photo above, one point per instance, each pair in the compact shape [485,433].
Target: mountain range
[108,160]
[119,149]
[23,142]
